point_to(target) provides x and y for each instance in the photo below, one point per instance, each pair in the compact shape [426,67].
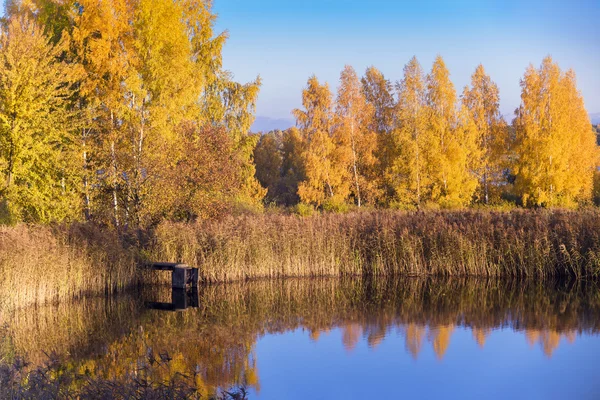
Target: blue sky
[287,41]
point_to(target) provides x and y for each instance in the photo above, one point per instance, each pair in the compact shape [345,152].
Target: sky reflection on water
[450,364]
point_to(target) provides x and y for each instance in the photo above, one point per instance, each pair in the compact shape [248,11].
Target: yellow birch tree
[379,93]
[555,148]
[327,182]
[103,45]
[483,103]
[409,173]
[37,125]
[353,120]
[451,144]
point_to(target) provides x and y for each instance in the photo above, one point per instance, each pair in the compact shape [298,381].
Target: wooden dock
[182,275]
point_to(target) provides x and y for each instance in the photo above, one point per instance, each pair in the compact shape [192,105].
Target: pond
[331,338]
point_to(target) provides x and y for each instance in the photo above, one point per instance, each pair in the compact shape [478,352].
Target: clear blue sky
[287,41]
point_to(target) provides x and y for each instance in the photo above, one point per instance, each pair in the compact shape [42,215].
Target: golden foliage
[482,101]
[326,154]
[152,69]
[555,147]
[37,121]
[353,116]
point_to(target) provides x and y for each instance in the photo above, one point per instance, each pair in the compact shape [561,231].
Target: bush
[304,210]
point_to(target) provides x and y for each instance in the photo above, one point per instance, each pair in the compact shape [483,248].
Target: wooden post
[194,277]
[179,299]
[194,299]
[180,276]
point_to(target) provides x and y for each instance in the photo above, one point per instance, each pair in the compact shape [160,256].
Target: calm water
[339,339]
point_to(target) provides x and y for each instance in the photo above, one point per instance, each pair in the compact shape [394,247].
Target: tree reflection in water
[215,342]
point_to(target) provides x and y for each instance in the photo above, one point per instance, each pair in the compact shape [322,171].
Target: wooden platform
[182,275]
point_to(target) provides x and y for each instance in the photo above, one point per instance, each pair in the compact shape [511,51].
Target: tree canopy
[120,111]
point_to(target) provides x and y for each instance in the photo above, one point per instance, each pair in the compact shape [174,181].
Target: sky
[285,42]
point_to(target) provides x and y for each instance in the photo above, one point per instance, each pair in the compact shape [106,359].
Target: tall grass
[40,264]
[540,244]
[45,264]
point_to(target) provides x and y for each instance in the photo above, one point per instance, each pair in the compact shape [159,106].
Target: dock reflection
[181,299]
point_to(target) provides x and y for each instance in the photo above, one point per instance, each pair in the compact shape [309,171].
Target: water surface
[337,338]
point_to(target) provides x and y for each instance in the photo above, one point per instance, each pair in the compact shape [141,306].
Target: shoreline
[41,264]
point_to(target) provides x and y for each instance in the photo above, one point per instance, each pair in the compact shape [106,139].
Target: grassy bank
[44,264]
[542,244]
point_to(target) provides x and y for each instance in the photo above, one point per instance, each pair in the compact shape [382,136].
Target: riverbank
[40,264]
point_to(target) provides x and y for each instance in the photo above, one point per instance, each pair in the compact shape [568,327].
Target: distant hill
[266,124]
[508,118]
[594,117]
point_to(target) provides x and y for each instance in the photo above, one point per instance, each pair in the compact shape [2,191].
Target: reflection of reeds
[56,380]
[539,244]
[217,340]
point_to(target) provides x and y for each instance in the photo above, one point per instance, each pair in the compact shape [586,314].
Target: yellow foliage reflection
[351,335]
[215,343]
[480,335]
[549,339]
[414,339]
[440,337]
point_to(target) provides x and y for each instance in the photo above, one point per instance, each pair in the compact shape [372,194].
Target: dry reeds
[540,244]
[44,264]
[41,264]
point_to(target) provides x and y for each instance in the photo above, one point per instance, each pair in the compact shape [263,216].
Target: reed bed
[538,244]
[42,264]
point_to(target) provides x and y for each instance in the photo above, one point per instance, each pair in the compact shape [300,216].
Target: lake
[331,338]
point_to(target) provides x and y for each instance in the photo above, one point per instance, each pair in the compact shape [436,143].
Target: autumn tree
[409,174]
[555,148]
[201,190]
[279,165]
[153,66]
[379,93]
[353,119]
[268,160]
[483,103]
[292,167]
[37,123]
[103,44]
[157,97]
[451,144]
[231,105]
[325,163]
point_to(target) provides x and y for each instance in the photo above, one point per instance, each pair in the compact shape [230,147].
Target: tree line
[418,144]
[120,111]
